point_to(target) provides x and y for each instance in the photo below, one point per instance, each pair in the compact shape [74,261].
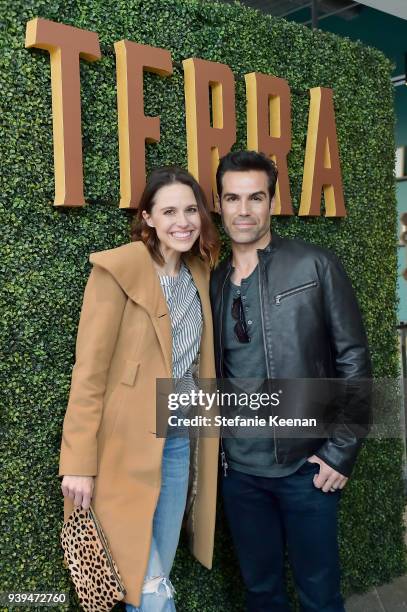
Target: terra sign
[208,137]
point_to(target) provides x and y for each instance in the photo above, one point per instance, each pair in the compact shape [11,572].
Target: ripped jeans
[157,593]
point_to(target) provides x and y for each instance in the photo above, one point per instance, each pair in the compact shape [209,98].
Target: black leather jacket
[312,328]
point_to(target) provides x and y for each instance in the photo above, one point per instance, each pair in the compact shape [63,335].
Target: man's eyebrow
[261,192]
[229,193]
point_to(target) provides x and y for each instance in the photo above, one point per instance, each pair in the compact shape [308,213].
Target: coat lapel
[201,279]
[200,274]
[162,326]
[133,269]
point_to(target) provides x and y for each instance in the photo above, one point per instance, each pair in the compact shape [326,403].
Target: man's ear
[147,218]
[272,205]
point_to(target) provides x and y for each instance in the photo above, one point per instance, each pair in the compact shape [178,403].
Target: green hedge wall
[45,265]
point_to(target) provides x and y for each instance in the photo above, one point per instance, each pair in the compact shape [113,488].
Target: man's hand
[78,488]
[328,479]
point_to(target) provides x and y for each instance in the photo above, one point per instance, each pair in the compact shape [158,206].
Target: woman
[145,315]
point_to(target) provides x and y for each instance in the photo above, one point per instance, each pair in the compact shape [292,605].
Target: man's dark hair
[241,161]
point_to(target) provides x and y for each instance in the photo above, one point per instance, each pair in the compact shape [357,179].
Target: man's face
[245,205]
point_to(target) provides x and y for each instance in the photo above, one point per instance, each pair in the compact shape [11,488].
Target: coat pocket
[129,374]
[122,393]
[293,291]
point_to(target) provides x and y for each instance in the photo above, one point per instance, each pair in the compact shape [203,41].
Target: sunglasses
[238,314]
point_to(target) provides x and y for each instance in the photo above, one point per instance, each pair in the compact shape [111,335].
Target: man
[284,309]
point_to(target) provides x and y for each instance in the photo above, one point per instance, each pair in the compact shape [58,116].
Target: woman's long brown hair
[208,243]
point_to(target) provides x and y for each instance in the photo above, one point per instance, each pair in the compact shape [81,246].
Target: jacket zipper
[223,459]
[103,539]
[265,346]
[281,296]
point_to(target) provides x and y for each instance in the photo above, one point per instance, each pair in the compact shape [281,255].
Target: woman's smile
[182,235]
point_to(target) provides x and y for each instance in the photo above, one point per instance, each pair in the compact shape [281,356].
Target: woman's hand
[78,488]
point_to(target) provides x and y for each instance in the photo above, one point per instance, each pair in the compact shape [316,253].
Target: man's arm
[353,367]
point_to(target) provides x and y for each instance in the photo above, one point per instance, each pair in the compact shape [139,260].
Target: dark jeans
[268,515]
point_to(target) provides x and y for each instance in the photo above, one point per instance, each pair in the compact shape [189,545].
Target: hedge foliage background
[45,251]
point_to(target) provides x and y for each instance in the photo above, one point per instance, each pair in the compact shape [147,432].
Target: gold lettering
[207,143]
[269,128]
[135,129]
[65,45]
[322,167]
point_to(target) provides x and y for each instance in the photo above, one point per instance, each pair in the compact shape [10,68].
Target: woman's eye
[168,212]
[193,209]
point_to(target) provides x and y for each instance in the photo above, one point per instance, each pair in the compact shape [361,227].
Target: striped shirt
[186,321]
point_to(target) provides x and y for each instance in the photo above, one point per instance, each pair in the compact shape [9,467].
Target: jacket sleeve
[102,310]
[353,370]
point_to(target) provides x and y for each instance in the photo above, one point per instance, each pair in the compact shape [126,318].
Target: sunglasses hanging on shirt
[238,314]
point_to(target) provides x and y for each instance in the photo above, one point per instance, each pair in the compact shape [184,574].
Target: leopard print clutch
[87,556]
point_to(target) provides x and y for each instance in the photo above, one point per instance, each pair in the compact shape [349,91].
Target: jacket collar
[263,254]
[132,267]
[272,246]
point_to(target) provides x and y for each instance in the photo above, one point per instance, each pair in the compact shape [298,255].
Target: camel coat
[124,343]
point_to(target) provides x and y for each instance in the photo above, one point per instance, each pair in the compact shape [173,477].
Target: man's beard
[254,238]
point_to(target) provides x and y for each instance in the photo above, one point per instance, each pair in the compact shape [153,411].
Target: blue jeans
[267,516]
[157,594]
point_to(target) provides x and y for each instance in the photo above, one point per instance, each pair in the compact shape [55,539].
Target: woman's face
[175,218]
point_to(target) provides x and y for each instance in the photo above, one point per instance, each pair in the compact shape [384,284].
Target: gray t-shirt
[247,360]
